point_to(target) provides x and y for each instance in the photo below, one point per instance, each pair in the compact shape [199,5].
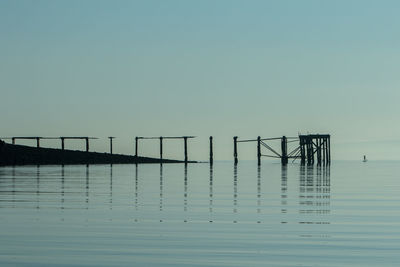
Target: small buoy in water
[365,159]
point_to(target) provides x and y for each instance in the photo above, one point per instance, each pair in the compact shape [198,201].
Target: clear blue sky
[220,68]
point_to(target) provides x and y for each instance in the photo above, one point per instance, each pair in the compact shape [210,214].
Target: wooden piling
[259,150]
[329,149]
[211,151]
[161,148]
[62,143]
[302,151]
[37,142]
[87,144]
[111,144]
[309,151]
[235,154]
[136,146]
[284,156]
[318,143]
[185,144]
[326,150]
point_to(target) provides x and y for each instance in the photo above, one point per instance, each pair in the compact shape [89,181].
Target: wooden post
[323,151]
[284,158]
[235,154]
[37,142]
[211,151]
[318,150]
[185,144]
[87,144]
[259,150]
[326,150]
[309,150]
[62,142]
[111,144]
[136,146]
[161,148]
[302,151]
[13,140]
[329,149]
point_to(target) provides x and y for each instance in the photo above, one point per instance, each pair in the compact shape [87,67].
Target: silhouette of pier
[311,148]
[62,138]
[161,138]
[309,145]
[15,154]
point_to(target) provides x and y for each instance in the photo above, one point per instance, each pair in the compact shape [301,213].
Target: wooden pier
[309,145]
[62,138]
[311,148]
[162,138]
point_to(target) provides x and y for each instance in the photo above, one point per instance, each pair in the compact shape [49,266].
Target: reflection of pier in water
[185,201]
[161,191]
[284,188]
[258,192]
[211,193]
[111,186]
[314,194]
[72,187]
[235,190]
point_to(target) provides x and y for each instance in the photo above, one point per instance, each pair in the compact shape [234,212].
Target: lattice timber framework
[309,145]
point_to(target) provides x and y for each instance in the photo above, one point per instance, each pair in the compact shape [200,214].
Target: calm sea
[150,215]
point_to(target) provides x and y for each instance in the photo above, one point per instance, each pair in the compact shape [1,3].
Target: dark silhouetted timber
[11,154]
[62,138]
[111,143]
[211,151]
[309,145]
[161,138]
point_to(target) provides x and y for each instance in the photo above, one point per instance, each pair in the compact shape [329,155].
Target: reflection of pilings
[185,200]
[111,185]
[87,185]
[283,192]
[235,192]
[161,187]
[314,194]
[136,187]
[62,186]
[13,185]
[211,192]
[258,191]
[37,186]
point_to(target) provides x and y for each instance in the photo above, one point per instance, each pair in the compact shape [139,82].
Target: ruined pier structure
[162,138]
[309,146]
[62,138]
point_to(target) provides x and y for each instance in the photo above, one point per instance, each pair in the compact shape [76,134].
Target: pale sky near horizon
[221,68]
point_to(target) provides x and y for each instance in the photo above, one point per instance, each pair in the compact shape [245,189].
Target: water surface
[172,215]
